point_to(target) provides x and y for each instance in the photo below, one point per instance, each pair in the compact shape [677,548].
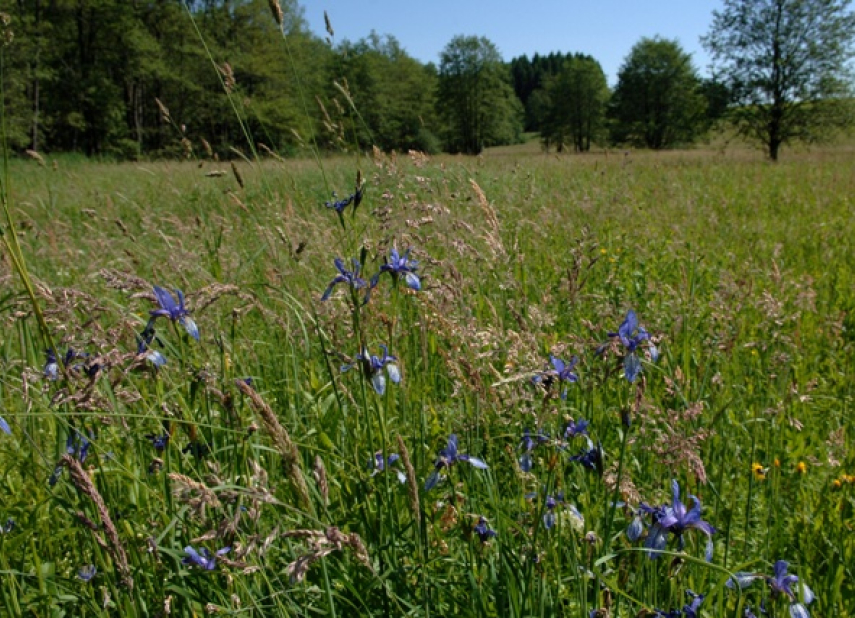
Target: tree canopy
[657,102]
[576,104]
[197,78]
[786,63]
[475,97]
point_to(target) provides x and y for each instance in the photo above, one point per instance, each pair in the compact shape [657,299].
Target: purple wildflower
[447,458]
[176,312]
[381,464]
[781,584]
[76,445]
[203,559]
[86,573]
[561,371]
[4,426]
[339,205]
[690,610]
[528,444]
[592,459]
[676,519]
[158,442]
[372,368]
[631,335]
[351,278]
[51,370]
[400,265]
[576,428]
[483,530]
[144,341]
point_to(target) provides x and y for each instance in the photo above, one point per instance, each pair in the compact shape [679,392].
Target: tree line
[170,78]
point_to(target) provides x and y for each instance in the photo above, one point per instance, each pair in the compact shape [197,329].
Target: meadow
[297,458]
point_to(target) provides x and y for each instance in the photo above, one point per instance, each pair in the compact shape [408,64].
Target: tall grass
[242,475]
[741,272]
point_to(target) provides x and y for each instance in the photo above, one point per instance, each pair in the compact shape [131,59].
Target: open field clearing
[534,385]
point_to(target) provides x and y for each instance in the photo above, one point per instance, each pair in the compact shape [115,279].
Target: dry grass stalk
[276,10]
[196,495]
[344,89]
[320,474]
[207,146]
[328,25]
[228,77]
[266,149]
[323,543]
[412,483]
[164,111]
[238,177]
[287,449]
[116,550]
[36,157]
[492,235]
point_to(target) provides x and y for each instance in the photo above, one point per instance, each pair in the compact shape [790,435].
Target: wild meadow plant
[535,413]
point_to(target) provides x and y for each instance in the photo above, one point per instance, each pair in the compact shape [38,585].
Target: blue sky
[605,29]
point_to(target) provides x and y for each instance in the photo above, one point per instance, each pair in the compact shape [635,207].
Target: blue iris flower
[51,370]
[690,610]
[351,278]
[372,368]
[550,505]
[631,335]
[144,341]
[4,426]
[635,529]
[176,312]
[528,444]
[676,519]
[400,265]
[87,572]
[483,530]
[447,458]
[381,464]
[592,459]
[561,371]
[781,584]
[576,428]
[203,559]
[158,442]
[354,198]
[76,445]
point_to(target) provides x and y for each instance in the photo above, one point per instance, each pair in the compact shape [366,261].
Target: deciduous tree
[657,102]
[577,103]
[786,62]
[475,97]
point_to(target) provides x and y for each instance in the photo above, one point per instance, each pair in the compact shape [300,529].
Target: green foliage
[787,65]
[576,108]
[392,94]
[529,78]
[657,101]
[475,99]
